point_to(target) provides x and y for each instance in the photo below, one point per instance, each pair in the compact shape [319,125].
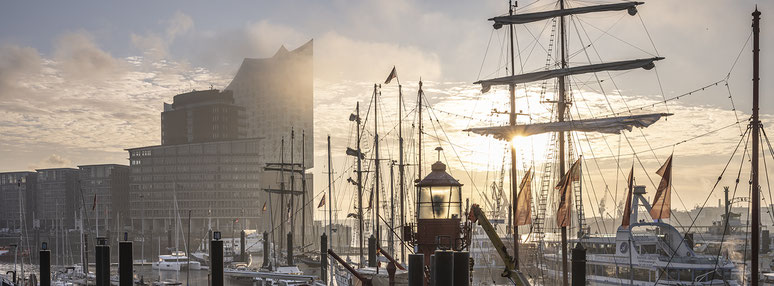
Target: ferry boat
[176,261]
[647,253]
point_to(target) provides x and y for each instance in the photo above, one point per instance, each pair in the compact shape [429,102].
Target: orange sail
[524,200]
[565,195]
[662,201]
[627,212]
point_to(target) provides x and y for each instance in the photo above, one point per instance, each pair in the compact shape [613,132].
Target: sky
[80,81]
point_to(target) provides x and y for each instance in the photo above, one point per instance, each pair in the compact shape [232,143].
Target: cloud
[180,23]
[80,58]
[15,63]
[337,57]
[156,46]
[341,58]
[52,161]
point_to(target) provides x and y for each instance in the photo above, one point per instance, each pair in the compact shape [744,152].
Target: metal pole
[361,236]
[756,211]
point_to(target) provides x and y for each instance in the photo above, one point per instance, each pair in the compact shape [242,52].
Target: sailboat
[641,252]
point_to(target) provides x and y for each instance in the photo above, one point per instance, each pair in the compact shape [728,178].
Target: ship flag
[94,204]
[393,74]
[524,200]
[264,207]
[662,201]
[565,194]
[322,202]
[627,212]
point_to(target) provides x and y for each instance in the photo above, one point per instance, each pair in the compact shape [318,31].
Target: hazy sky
[82,80]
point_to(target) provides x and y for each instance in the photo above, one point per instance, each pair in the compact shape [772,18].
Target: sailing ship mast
[359,184]
[376,161]
[282,193]
[756,210]
[330,200]
[420,93]
[401,166]
[303,188]
[292,206]
[562,105]
[607,125]
[512,122]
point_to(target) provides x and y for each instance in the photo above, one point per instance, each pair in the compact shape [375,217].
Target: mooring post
[579,265]
[216,260]
[242,254]
[324,258]
[372,251]
[45,266]
[444,267]
[461,268]
[266,250]
[290,249]
[416,265]
[125,261]
[102,251]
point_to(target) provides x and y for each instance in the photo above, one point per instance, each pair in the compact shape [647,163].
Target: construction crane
[518,278]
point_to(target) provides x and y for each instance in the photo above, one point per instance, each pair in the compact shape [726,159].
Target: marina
[563,161]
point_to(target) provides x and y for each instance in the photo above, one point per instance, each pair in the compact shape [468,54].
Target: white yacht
[176,261]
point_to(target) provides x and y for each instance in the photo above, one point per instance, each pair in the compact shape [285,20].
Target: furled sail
[631,7]
[612,125]
[541,75]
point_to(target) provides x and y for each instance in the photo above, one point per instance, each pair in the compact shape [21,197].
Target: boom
[477,215]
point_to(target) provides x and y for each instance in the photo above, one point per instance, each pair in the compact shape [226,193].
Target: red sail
[627,212]
[565,195]
[662,201]
[524,200]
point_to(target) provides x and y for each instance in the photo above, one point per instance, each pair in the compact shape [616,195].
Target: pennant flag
[524,200]
[662,201]
[393,74]
[627,212]
[322,202]
[264,207]
[565,195]
[94,204]
[354,153]
[352,215]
